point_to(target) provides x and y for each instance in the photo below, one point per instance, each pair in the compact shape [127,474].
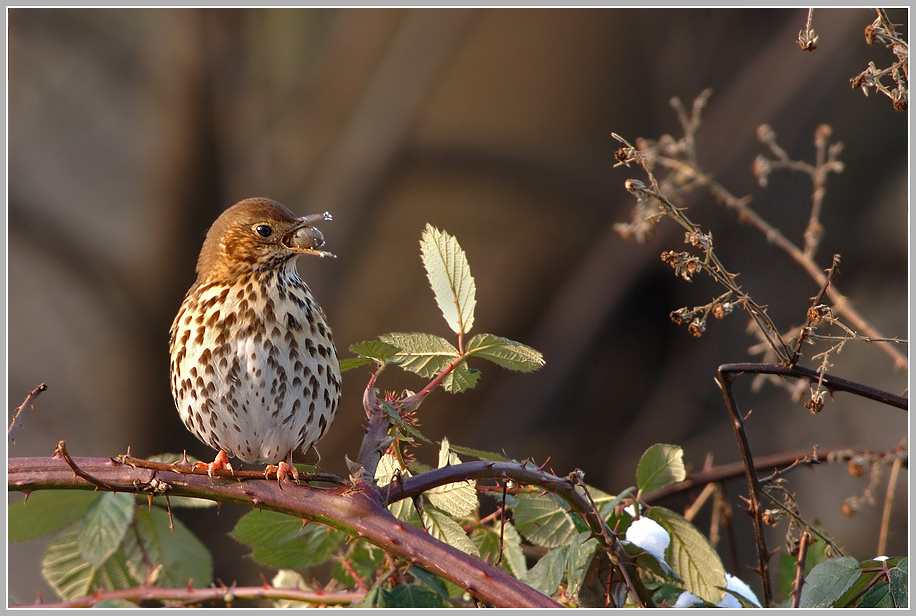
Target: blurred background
[131,130]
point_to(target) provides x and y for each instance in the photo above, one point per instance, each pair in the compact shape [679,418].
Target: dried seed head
[847,509]
[697,327]
[765,133]
[870,34]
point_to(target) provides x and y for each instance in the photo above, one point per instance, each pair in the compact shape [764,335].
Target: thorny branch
[189,596]
[727,374]
[678,157]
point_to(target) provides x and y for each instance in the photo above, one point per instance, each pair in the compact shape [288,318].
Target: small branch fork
[727,374]
[20,413]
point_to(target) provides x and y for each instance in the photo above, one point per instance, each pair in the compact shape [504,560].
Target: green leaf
[448,530]
[46,512]
[67,572]
[897,580]
[423,354]
[459,498]
[547,573]
[581,551]
[450,278]
[478,453]
[690,556]
[353,362]
[486,538]
[828,581]
[312,549]
[414,596]
[660,466]
[542,521]
[184,559]
[375,349]
[260,528]
[433,581]
[460,379]
[104,526]
[506,353]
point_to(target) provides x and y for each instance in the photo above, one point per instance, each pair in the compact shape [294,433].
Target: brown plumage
[254,370]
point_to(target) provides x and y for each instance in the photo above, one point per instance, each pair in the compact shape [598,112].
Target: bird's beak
[306,239]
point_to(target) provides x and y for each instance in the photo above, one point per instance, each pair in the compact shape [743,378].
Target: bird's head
[257,235]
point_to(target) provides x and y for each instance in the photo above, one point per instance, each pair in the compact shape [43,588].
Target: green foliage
[430,355]
[284,542]
[845,582]
[46,512]
[660,466]
[450,277]
[115,543]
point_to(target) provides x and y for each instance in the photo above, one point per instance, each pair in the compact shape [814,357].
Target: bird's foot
[284,470]
[221,461]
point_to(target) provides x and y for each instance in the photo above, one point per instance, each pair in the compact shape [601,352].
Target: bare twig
[20,412]
[888,503]
[800,569]
[189,596]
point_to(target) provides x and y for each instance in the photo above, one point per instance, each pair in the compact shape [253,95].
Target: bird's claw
[221,461]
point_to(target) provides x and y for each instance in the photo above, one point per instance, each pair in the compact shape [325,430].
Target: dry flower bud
[847,509]
[815,404]
[870,33]
[855,468]
[696,328]
[822,134]
[765,133]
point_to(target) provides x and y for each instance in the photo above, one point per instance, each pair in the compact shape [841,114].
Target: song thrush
[253,366]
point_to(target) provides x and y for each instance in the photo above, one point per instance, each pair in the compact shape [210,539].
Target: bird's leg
[285,469]
[221,461]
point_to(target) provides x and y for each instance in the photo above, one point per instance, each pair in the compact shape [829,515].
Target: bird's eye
[263,230]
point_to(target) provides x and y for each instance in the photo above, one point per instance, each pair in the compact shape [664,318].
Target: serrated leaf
[261,528]
[414,596]
[423,354]
[46,512]
[301,553]
[104,526]
[690,556]
[506,353]
[486,538]
[353,362]
[542,521]
[461,378]
[433,581]
[67,572]
[897,581]
[547,573]
[375,349]
[660,466]
[581,551]
[450,277]
[449,531]
[184,559]
[459,498]
[828,581]
[478,453]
